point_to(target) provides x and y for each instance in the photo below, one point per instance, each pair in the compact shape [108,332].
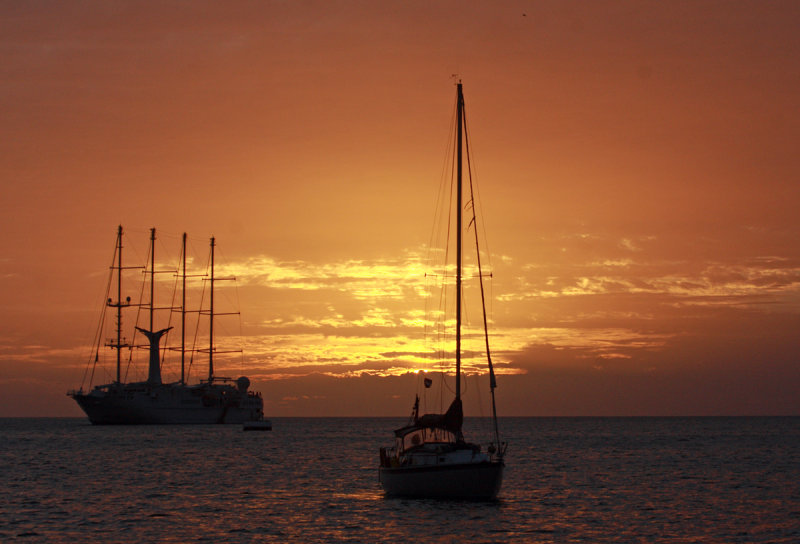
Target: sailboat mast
[183,314]
[211,320]
[152,273]
[459,205]
[119,302]
[119,305]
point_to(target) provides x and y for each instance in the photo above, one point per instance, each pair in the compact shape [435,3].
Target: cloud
[754,281]
[613,308]
[378,320]
[360,279]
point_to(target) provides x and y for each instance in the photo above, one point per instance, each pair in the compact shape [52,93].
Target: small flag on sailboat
[428,383]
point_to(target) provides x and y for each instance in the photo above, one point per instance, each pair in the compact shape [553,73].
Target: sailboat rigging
[214,400]
[431,458]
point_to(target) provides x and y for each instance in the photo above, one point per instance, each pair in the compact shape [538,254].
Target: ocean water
[715,480]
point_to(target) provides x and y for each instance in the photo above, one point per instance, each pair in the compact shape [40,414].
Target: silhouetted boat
[213,400]
[263,425]
[431,458]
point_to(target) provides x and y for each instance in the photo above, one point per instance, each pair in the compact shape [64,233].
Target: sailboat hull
[167,405]
[469,481]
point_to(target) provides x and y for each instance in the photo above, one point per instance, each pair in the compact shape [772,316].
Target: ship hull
[469,481]
[168,405]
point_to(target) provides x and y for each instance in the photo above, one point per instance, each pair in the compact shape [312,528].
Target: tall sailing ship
[152,401]
[430,457]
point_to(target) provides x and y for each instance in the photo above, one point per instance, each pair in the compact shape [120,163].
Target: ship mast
[152,273]
[153,336]
[118,344]
[183,314]
[119,302]
[459,197]
[211,319]
[212,314]
[461,122]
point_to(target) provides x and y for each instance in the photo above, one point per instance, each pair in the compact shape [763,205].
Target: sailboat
[430,457]
[213,400]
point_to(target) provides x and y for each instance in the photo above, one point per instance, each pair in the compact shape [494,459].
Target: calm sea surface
[315,480]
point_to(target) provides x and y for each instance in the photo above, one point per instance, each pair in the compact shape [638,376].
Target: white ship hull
[215,400]
[169,404]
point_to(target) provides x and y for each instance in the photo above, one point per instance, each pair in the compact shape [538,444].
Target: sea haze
[315,480]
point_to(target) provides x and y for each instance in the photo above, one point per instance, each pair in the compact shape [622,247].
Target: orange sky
[636,163]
